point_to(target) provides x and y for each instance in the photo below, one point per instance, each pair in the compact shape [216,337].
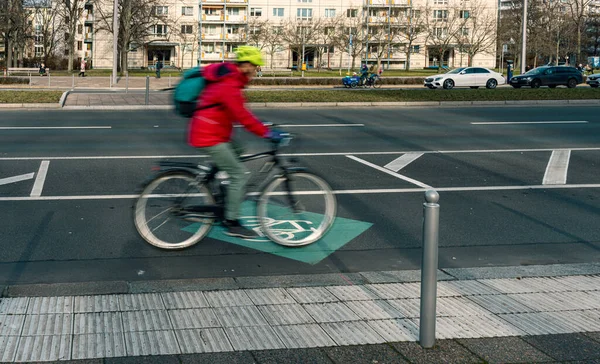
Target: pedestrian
[82,69]
[159,66]
[42,69]
[380,72]
[258,71]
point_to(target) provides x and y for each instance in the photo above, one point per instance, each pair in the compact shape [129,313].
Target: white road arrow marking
[19,178]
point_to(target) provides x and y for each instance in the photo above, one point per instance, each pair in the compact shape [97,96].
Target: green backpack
[187,92]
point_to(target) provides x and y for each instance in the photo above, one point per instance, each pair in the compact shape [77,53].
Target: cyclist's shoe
[234,228]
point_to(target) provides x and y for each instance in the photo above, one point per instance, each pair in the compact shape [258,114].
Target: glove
[275,135]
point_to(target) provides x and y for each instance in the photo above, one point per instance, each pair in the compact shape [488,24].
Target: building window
[277,29]
[233,11]
[187,10]
[210,11]
[80,29]
[464,14]
[278,12]
[305,1]
[235,29]
[440,2]
[161,10]
[187,29]
[440,14]
[39,51]
[210,29]
[415,49]
[255,11]
[464,31]
[304,13]
[159,29]
[351,13]
[38,38]
[79,45]
[440,32]
[329,31]
[330,13]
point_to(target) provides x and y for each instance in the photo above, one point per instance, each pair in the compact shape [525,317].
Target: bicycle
[373,81]
[294,207]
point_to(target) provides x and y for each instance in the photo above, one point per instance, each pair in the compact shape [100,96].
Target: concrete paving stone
[106,345]
[408,307]
[459,306]
[47,305]
[558,301]
[228,298]
[331,312]
[270,296]
[240,316]
[395,330]
[183,300]
[137,302]
[524,271]
[296,356]
[505,350]
[303,336]
[374,310]
[11,325]
[501,304]
[100,303]
[352,333]
[465,288]
[537,323]
[566,346]
[580,283]
[51,324]
[351,293]
[151,343]
[9,345]
[44,348]
[196,318]
[286,314]
[154,359]
[395,290]
[365,354]
[147,320]
[97,323]
[443,352]
[311,295]
[203,341]
[254,338]
[244,357]
[306,280]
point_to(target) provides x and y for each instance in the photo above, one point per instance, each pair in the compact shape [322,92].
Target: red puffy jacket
[213,125]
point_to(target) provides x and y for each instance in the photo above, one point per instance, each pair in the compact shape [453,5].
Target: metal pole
[48,78]
[127,83]
[147,90]
[524,39]
[110,80]
[169,80]
[73,81]
[115,39]
[429,266]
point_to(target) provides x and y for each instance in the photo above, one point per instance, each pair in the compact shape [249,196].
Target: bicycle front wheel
[377,83]
[160,211]
[297,209]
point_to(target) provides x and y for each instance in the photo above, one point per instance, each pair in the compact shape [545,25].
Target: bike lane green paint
[342,232]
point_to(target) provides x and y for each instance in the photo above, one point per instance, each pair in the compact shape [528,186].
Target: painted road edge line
[402,161]
[52,127]
[337,192]
[38,185]
[407,179]
[529,122]
[557,168]
[19,178]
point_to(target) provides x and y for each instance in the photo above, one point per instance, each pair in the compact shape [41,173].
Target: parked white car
[473,77]
[593,80]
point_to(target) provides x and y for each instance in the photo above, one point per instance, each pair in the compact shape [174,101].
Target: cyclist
[220,105]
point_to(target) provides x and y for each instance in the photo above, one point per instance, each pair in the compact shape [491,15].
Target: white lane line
[407,179]
[529,122]
[38,185]
[402,161]
[337,192]
[313,125]
[558,165]
[52,127]
[19,178]
[321,154]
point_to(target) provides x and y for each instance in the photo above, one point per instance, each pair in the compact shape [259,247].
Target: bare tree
[413,26]
[271,40]
[48,27]
[300,35]
[352,34]
[70,12]
[257,29]
[384,33]
[15,29]
[442,28]
[578,11]
[477,33]
[593,34]
[188,36]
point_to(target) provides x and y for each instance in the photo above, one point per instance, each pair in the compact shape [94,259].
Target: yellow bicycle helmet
[249,54]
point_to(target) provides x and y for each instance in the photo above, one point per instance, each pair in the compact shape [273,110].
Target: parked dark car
[548,76]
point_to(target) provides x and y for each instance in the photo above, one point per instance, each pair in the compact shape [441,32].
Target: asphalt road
[501,202]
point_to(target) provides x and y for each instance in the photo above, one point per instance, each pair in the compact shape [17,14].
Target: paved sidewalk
[503,315]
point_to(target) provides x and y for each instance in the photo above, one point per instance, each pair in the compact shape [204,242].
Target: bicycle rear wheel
[296,210]
[160,211]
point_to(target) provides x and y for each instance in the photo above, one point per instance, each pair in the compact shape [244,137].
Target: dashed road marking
[558,165]
[38,185]
[402,161]
[382,169]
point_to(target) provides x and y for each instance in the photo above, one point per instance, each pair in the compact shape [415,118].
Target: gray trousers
[226,156]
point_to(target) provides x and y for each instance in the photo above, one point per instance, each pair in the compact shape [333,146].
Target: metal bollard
[429,266]
[147,90]
[169,80]
[127,82]
[48,78]
[110,81]
[72,81]
[30,84]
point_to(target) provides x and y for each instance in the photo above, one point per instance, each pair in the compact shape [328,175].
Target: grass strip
[30,97]
[502,94]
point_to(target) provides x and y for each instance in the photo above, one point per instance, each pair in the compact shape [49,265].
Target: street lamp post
[524,39]
[115,39]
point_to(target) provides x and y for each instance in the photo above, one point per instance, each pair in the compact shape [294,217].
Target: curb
[30,106]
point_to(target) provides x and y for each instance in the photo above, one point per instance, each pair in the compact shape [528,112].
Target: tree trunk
[408,55]
[9,52]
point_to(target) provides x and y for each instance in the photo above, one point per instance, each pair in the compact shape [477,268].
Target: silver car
[593,80]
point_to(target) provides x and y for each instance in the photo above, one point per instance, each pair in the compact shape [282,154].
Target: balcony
[212,56]
[216,36]
[212,18]
[88,37]
[233,2]
[387,3]
[213,1]
[236,18]
[235,37]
